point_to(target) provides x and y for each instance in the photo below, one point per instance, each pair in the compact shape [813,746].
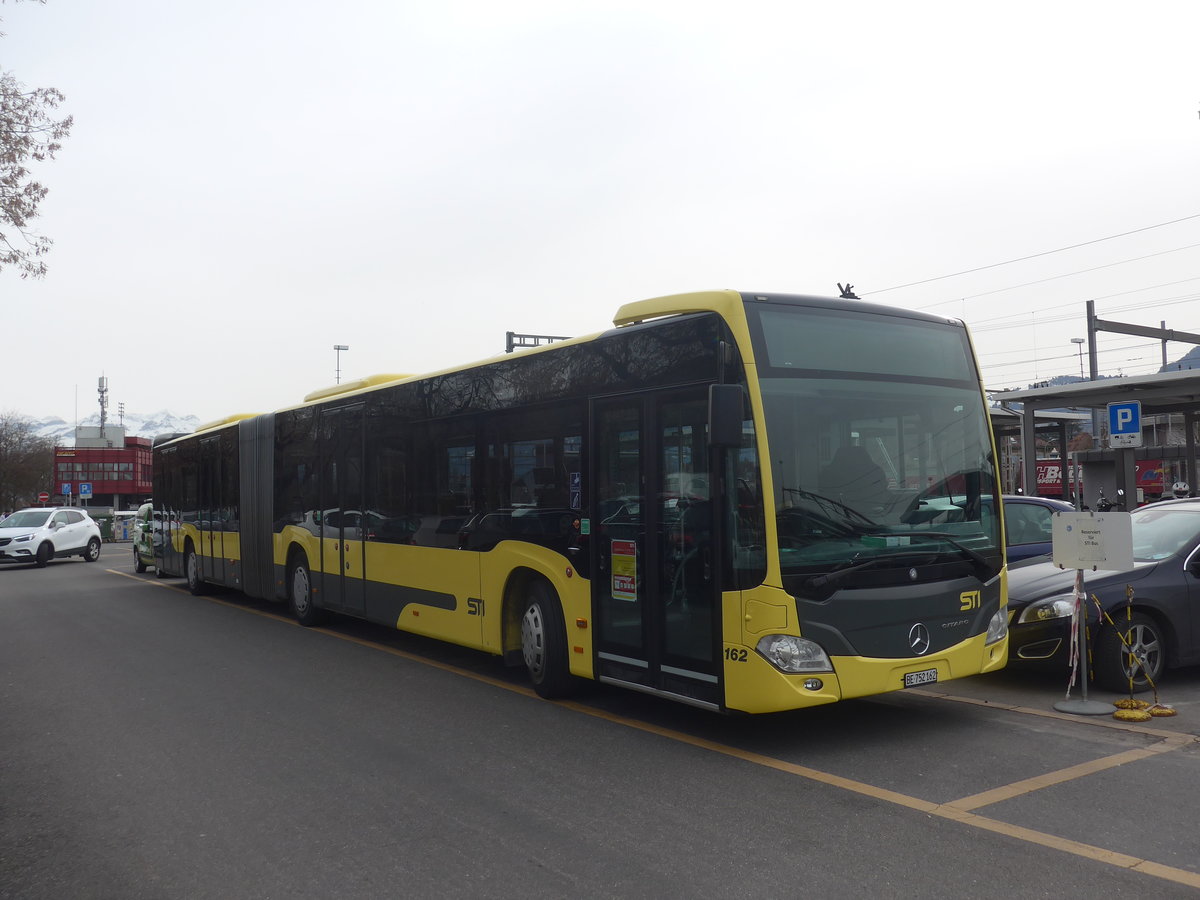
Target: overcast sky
[249,184]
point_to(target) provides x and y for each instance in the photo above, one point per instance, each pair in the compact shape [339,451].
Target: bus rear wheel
[544,642]
[300,594]
[191,570]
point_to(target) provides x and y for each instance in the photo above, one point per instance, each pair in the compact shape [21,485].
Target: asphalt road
[159,745]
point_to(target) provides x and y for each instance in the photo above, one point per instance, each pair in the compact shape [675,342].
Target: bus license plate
[912,679]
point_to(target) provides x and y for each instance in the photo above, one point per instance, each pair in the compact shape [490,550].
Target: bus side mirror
[725,415]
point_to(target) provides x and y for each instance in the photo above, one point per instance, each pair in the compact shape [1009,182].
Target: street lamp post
[1079,342]
[337,372]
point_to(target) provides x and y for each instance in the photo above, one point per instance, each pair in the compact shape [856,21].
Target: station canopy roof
[1167,392]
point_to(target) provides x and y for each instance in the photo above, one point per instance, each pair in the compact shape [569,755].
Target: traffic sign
[44,497]
[66,489]
[85,489]
[1125,424]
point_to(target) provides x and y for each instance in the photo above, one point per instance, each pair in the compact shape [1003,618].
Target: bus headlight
[789,653]
[997,627]
[1050,608]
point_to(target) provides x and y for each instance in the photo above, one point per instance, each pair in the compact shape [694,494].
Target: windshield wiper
[981,562]
[817,582]
[827,502]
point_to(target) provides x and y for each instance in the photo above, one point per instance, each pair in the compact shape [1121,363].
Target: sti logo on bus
[968,600]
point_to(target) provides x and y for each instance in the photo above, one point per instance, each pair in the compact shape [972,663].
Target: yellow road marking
[1049,779]
[952,811]
[956,810]
[138,578]
[521,689]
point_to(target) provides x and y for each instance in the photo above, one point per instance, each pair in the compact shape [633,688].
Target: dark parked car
[1161,620]
[1027,524]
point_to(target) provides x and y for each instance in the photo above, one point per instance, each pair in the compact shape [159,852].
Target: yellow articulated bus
[744,502]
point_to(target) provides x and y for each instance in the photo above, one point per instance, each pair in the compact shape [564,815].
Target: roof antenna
[847,290]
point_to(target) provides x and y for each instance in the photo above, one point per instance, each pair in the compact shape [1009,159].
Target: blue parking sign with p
[1125,424]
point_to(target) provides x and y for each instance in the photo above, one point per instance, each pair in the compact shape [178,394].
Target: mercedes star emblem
[918,639]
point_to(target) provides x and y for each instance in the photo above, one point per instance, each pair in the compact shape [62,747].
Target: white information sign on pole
[1092,540]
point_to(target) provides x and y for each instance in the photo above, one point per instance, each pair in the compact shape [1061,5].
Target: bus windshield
[880,460]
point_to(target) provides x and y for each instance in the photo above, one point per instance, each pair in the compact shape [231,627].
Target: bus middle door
[343,523]
[208,521]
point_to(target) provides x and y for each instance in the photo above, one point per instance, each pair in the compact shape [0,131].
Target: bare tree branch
[26,461]
[29,133]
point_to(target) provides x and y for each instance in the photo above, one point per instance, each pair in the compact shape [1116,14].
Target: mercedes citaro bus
[745,502]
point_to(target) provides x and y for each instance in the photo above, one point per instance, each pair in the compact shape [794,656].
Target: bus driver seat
[853,477]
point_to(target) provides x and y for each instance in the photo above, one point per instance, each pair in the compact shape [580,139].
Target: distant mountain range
[148,425]
[1190,360]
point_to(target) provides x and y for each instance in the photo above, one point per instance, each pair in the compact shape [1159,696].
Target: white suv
[41,534]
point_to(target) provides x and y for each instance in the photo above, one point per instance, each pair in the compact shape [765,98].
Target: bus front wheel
[300,594]
[544,642]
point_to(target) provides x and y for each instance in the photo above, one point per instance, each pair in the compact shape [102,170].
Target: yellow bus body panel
[284,540]
[574,593]
[753,685]
[232,544]
[434,569]
[477,581]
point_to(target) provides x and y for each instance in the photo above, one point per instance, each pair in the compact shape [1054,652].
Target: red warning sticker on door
[624,570]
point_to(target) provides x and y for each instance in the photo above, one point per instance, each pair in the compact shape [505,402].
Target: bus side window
[443,485]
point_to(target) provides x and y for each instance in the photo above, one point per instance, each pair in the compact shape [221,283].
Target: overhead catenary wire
[1073,357]
[982,324]
[1014,287]
[1009,262]
[1112,357]
[1147,362]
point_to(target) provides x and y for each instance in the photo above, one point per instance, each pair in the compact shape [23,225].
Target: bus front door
[655,599]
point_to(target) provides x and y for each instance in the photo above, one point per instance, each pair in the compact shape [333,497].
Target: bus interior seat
[852,475]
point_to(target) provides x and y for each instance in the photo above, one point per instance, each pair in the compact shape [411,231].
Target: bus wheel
[544,642]
[300,595]
[191,570]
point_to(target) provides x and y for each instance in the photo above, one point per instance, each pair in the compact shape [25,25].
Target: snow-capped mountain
[147,425]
